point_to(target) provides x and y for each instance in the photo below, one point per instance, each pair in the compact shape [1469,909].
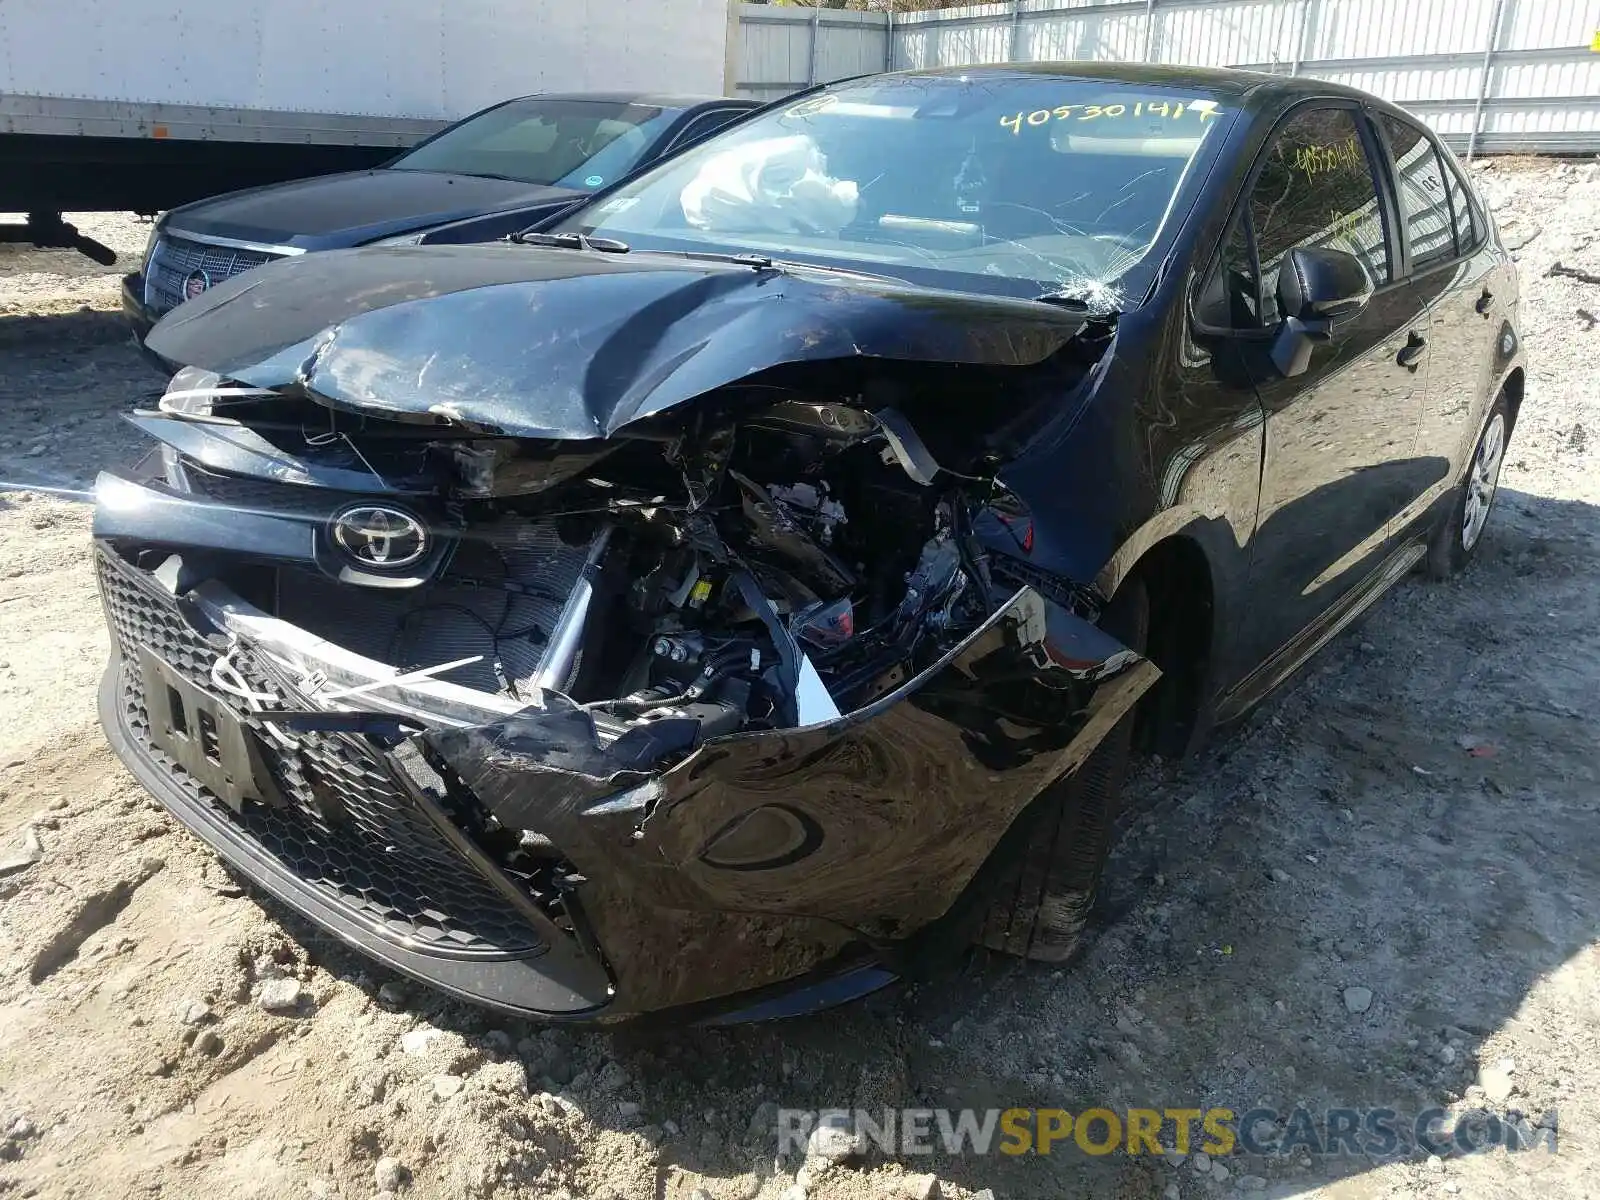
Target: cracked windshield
[1030,186]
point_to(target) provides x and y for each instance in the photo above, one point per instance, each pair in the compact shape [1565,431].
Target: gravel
[1459,884]
[390,1174]
[281,996]
[193,1012]
[446,1086]
[832,1142]
[392,995]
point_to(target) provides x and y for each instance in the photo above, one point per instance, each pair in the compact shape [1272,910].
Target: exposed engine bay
[764,570]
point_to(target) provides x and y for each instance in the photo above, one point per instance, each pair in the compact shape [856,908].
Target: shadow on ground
[83,327]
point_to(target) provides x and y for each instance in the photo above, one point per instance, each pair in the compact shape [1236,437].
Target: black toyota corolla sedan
[756,584]
[500,170]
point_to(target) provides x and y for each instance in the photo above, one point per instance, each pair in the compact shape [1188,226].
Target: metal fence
[1489,75]
[784,49]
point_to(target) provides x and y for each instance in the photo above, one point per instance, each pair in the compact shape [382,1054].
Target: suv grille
[176,261]
[381,859]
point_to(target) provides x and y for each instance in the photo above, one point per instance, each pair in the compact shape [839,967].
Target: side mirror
[1316,289]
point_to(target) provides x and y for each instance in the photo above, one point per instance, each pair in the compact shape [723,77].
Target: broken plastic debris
[812,698]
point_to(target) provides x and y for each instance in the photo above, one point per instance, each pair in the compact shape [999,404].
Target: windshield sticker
[1200,109]
[594,180]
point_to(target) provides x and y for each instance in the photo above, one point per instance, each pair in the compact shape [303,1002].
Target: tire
[1460,534]
[1043,877]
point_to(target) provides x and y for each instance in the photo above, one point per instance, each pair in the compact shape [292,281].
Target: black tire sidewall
[1447,556]
[1040,883]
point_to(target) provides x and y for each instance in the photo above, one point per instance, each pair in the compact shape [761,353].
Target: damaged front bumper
[765,873]
[684,650]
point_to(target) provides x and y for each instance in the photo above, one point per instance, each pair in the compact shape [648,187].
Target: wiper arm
[764,262]
[569,241]
[758,262]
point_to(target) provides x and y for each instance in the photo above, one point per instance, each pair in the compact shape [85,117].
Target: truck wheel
[1046,870]
[1457,538]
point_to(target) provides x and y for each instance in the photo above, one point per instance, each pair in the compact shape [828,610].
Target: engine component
[826,626]
[560,660]
[937,580]
[679,648]
[812,500]
[775,528]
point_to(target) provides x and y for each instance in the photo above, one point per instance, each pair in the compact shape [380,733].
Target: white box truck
[142,105]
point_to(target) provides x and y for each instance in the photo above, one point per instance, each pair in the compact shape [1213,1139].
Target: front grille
[176,261]
[379,858]
[463,614]
[251,494]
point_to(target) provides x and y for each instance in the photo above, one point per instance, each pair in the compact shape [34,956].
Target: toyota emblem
[195,283]
[385,539]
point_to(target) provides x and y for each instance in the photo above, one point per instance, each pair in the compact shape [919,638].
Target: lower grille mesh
[346,827]
[449,621]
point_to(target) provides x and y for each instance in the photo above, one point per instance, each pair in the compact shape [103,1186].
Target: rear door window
[1469,231]
[1424,196]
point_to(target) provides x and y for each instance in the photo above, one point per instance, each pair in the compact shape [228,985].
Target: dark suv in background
[498,171]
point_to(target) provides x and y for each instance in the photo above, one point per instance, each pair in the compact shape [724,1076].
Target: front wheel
[1044,875]
[1458,536]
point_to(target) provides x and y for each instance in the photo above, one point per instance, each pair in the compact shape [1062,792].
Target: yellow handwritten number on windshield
[1202,110]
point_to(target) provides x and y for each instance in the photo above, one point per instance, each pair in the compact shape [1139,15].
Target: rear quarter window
[1440,220]
[1470,226]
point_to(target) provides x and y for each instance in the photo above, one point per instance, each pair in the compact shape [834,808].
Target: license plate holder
[205,737]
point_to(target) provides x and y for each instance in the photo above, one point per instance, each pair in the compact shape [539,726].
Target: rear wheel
[1457,538]
[1045,873]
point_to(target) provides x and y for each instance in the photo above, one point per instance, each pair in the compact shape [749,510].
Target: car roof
[649,99]
[1252,87]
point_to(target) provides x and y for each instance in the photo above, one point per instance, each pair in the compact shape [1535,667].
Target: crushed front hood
[549,343]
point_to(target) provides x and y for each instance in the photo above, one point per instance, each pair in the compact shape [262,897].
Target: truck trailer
[143,105]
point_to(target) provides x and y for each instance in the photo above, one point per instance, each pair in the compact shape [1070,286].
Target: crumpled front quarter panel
[876,821]
[909,796]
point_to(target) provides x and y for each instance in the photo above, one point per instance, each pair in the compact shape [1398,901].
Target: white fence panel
[1265,32]
[783,49]
[1497,75]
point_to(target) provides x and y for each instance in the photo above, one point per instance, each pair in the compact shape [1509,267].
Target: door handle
[1410,356]
[1485,303]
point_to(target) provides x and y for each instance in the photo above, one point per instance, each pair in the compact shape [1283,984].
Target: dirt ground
[1382,890]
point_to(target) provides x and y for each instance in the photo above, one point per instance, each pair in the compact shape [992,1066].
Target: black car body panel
[419,334]
[884,515]
[332,212]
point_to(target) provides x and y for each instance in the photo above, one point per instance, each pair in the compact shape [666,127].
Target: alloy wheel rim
[1482,481]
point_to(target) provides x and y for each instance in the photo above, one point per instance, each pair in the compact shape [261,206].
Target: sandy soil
[1417,818]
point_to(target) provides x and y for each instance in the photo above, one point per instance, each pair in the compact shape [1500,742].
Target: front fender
[875,821]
